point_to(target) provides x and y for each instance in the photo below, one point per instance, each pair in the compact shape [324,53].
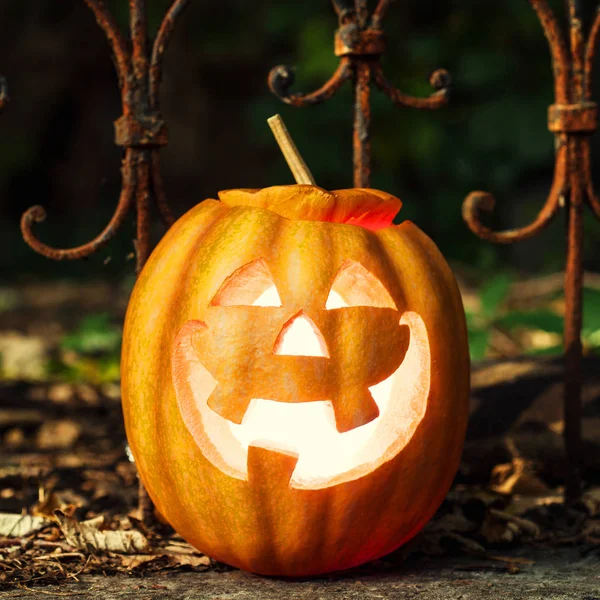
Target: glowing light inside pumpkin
[308,429]
[270,297]
[334,300]
[301,337]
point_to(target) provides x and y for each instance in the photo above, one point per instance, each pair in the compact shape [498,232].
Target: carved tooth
[228,404]
[270,467]
[353,409]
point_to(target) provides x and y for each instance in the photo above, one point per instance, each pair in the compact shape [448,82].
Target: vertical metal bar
[574,269]
[577,51]
[140,64]
[362,122]
[573,322]
[142,251]
[139,39]
[142,242]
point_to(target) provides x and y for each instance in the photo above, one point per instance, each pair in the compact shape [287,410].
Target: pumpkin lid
[368,208]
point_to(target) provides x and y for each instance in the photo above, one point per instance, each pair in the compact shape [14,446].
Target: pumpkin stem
[296,163]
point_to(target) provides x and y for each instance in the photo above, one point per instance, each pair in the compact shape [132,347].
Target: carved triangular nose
[300,337]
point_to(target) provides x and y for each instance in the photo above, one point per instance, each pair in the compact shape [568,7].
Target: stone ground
[562,574]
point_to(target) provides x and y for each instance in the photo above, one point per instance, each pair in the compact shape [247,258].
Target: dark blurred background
[56,140]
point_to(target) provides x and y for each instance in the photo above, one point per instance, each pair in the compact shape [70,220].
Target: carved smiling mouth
[299,369]
[310,427]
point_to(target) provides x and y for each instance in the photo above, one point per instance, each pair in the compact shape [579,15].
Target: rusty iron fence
[572,119]
[359,43]
[140,130]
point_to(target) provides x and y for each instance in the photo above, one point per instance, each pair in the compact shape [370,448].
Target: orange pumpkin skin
[261,523]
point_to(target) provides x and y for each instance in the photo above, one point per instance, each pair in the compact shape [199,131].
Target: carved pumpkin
[295,378]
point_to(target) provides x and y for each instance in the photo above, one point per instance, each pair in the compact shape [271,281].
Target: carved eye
[354,285]
[250,285]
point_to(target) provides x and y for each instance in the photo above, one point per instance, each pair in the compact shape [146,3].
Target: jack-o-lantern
[295,378]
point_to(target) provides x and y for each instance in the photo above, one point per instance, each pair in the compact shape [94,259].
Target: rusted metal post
[141,132]
[359,43]
[362,121]
[572,119]
[572,339]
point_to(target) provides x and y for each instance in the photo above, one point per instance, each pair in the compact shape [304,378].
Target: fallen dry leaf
[192,560]
[132,561]
[60,556]
[517,477]
[178,553]
[176,559]
[20,525]
[97,522]
[180,548]
[87,536]
[182,553]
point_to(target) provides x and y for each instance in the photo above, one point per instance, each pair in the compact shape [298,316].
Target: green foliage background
[491,136]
